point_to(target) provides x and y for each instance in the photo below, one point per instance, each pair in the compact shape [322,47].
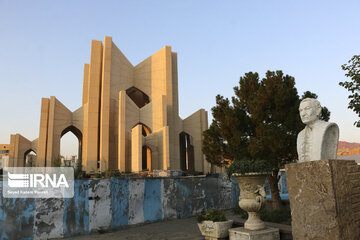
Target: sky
[44,45]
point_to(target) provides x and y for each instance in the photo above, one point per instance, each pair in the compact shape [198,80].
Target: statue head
[309,110]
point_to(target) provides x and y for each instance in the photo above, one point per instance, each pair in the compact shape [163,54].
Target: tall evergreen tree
[262,121]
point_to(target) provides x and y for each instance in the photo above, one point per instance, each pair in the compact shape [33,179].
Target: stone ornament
[252,198]
[319,139]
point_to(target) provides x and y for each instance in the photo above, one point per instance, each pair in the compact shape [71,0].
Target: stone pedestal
[244,234]
[324,199]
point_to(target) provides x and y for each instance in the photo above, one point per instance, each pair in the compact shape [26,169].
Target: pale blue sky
[44,44]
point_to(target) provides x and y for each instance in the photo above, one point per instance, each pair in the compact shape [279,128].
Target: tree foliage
[353,72]
[260,122]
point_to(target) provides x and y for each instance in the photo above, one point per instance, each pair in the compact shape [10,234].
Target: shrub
[246,165]
[212,215]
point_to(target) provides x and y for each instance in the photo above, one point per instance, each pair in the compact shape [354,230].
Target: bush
[212,215]
[246,165]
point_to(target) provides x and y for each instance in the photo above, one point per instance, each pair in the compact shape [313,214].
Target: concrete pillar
[92,110]
[122,133]
[104,151]
[43,132]
[166,148]
[136,149]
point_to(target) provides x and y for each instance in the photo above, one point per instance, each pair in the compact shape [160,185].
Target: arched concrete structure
[116,97]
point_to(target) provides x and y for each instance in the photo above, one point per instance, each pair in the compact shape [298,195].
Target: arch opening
[30,158]
[70,146]
[146,158]
[187,156]
[138,96]
[146,150]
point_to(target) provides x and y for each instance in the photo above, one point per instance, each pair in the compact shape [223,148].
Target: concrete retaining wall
[100,204]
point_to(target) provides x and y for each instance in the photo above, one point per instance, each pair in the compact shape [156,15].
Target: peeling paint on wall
[49,214]
[119,202]
[152,207]
[17,218]
[169,199]
[99,204]
[136,201]
[111,203]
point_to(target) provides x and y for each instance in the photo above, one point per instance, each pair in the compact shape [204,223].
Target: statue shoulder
[301,133]
[322,125]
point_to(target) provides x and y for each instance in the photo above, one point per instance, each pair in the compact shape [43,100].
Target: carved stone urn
[252,197]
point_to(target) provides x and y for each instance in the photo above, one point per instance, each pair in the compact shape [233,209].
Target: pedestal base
[324,199]
[244,234]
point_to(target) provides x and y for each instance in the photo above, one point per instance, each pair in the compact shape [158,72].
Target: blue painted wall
[160,198]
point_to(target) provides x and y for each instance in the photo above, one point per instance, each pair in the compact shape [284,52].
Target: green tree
[260,122]
[57,161]
[353,86]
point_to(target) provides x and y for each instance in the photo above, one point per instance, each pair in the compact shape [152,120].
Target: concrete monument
[319,139]
[128,121]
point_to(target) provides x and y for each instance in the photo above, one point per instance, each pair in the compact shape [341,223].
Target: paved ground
[176,229]
[171,229]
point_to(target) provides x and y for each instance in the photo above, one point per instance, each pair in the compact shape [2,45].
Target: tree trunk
[275,195]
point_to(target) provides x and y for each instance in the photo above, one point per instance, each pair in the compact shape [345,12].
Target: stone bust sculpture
[319,139]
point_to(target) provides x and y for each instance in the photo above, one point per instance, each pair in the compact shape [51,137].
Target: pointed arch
[78,134]
[146,131]
[29,162]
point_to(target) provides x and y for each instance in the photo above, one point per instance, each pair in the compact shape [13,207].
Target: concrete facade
[129,118]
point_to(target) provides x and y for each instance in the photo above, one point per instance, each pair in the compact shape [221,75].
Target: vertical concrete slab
[92,110]
[136,149]
[152,200]
[119,202]
[195,125]
[76,210]
[166,148]
[136,200]
[12,150]
[16,218]
[85,96]
[99,204]
[122,132]
[104,142]
[168,200]
[49,214]
[43,131]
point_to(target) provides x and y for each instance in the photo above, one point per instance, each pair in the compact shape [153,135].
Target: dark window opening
[186,153]
[138,96]
[146,158]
